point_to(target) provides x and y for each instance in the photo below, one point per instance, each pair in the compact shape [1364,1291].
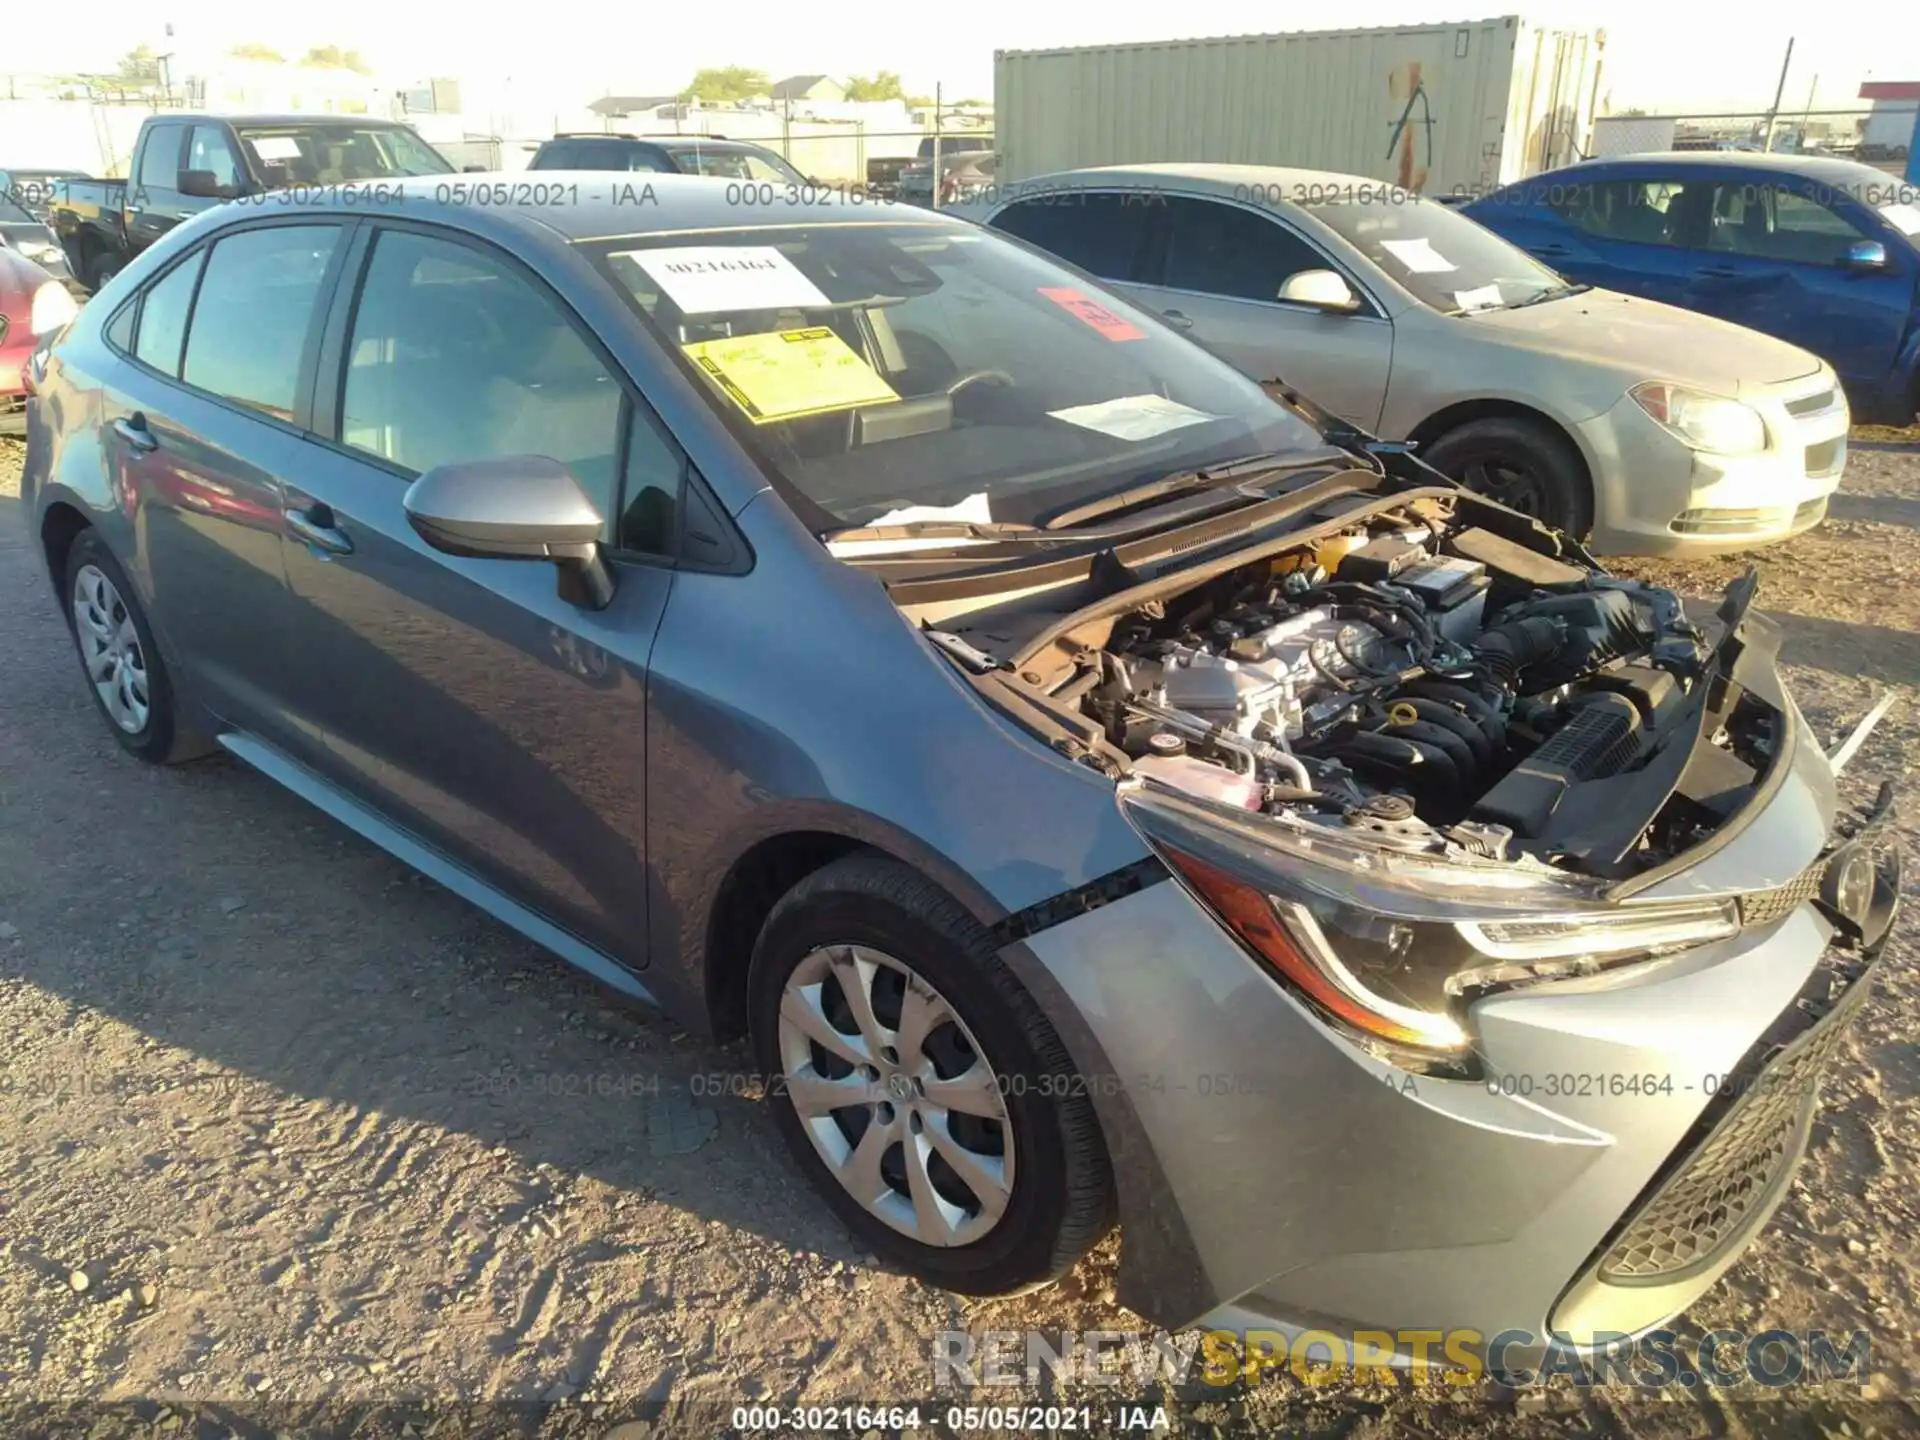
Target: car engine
[1411,683]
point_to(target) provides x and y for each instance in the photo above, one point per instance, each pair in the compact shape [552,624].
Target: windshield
[937,370]
[734,164]
[1443,258]
[335,154]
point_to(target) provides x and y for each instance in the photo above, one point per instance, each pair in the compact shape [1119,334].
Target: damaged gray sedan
[1097,790]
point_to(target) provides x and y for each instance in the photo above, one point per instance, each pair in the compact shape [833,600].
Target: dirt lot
[296,1142]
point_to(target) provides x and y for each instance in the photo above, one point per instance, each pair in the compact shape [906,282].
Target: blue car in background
[1821,252]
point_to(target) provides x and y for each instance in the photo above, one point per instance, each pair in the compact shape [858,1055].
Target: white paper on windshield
[973,508]
[1418,256]
[1134,417]
[1904,217]
[1485,297]
[275,147]
[702,279]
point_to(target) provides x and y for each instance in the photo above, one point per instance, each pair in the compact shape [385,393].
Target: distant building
[809,87]
[1889,128]
[620,107]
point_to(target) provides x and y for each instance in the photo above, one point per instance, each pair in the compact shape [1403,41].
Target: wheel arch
[60,525]
[1494,407]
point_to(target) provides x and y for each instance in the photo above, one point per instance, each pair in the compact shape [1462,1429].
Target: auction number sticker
[707,279]
[783,374]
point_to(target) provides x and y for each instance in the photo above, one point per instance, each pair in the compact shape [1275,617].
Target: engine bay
[1440,688]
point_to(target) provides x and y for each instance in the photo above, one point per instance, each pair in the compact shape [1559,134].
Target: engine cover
[1275,672]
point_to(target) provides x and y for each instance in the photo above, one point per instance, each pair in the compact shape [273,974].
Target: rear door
[200,424]
[1773,259]
[1218,277]
[1628,233]
[464,699]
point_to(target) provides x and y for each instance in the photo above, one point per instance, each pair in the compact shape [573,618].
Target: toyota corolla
[1099,792]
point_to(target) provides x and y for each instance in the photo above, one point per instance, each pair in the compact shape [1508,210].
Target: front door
[1774,260]
[465,700]
[1629,235]
[1219,280]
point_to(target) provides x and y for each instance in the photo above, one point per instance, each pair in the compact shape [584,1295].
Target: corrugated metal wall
[1425,106]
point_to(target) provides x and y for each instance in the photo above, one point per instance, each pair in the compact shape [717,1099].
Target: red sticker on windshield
[1090,311]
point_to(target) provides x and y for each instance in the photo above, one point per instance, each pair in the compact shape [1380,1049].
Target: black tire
[1525,464]
[101,268]
[161,740]
[1061,1200]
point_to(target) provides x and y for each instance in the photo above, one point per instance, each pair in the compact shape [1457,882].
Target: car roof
[1828,169]
[290,118]
[662,142]
[1271,180]
[602,205]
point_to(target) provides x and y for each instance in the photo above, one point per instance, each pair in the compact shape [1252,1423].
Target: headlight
[53,307]
[1390,947]
[1701,421]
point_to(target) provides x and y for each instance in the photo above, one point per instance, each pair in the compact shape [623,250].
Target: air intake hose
[1508,649]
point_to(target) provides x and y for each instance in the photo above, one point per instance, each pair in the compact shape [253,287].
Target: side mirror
[475,169]
[1322,289]
[201,183]
[521,507]
[1865,255]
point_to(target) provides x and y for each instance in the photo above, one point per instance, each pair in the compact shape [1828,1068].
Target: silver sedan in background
[1653,429]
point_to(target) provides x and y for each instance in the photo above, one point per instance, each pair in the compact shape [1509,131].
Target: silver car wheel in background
[896,1095]
[110,649]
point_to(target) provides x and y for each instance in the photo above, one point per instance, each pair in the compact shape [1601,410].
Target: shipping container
[1442,109]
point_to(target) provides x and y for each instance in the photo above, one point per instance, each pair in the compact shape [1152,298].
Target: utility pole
[1766,142]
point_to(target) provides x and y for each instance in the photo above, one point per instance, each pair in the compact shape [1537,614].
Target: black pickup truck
[182,164]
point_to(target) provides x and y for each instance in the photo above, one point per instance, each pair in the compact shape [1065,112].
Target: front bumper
[1275,1177]
[1654,496]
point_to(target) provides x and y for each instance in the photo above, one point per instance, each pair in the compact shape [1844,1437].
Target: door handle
[315,524]
[1717,272]
[133,429]
[1552,252]
[1177,320]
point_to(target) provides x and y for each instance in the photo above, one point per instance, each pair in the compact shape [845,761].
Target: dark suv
[668,154]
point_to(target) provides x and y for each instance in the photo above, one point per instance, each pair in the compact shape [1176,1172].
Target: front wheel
[920,1087]
[1526,465]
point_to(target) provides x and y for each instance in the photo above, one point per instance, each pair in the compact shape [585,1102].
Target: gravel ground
[297,1142]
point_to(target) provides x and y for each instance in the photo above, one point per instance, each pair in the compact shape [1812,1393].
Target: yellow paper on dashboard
[783,374]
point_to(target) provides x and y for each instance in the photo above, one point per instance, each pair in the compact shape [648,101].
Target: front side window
[1102,234]
[881,367]
[1219,249]
[1442,258]
[1768,222]
[455,356]
[163,316]
[1645,212]
[250,321]
[160,158]
[208,149]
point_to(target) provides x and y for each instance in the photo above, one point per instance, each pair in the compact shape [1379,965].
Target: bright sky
[1660,55]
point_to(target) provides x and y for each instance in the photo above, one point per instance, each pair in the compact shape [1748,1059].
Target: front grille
[1810,404]
[1763,907]
[1747,1140]
[1723,522]
[1826,458]
[1810,512]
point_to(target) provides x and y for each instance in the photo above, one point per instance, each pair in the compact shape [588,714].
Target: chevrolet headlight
[1390,947]
[1701,421]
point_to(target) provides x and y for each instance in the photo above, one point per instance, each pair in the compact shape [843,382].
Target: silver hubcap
[110,647]
[895,1095]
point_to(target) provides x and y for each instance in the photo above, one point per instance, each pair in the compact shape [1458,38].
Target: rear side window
[163,317]
[455,356]
[1646,212]
[160,158]
[256,304]
[556,157]
[1102,234]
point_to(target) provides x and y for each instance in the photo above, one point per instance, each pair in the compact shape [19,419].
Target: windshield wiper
[1558,293]
[1204,478]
